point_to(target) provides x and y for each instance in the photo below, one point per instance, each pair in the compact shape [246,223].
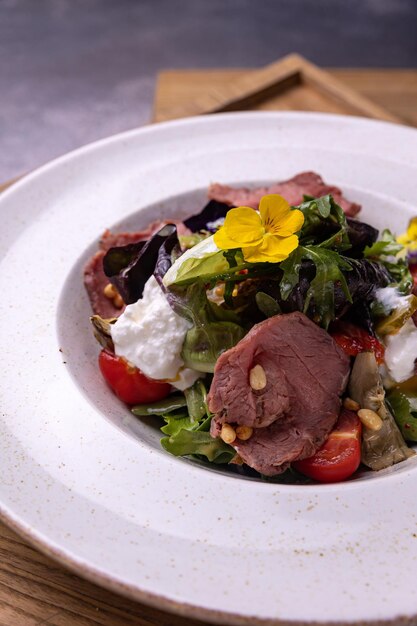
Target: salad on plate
[273,332]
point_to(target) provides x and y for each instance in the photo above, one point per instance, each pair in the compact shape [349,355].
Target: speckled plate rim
[162,603]
[400,157]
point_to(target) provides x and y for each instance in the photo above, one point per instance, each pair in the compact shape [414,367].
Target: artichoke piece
[384,447]
[399,316]
[102,331]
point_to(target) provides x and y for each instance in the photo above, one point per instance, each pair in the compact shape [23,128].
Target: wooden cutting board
[33,588]
[292,84]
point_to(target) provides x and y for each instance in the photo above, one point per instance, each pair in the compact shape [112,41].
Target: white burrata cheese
[207,246]
[390,298]
[149,334]
[401,352]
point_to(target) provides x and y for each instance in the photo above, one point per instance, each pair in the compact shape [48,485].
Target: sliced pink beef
[94,281]
[94,277]
[306,372]
[111,240]
[293,190]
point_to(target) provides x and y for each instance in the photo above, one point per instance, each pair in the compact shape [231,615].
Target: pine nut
[351,405]
[118,301]
[237,460]
[244,432]
[227,433]
[370,419]
[109,291]
[257,378]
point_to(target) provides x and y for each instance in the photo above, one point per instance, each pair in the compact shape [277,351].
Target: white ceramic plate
[89,485]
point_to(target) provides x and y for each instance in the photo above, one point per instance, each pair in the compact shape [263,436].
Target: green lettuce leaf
[171,404]
[204,268]
[393,256]
[196,397]
[203,344]
[173,426]
[193,442]
[190,436]
[214,330]
[187,425]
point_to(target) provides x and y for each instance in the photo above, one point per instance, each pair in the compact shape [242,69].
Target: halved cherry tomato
[128,382]
[339,456]
[413,270]
[354,340]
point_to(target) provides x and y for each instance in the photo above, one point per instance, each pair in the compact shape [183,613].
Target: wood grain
[393,90]
[290,83]
[34,589]
[8,183]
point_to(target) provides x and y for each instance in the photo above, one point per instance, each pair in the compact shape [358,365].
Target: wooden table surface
[33,588]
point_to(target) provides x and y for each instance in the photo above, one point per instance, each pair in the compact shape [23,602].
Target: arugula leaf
[291,271]
[324,216]
[392,255]
[386,246]
[329,266]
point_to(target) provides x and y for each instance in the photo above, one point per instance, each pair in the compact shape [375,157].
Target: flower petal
[412,229]
[272,249]
[290,224]
[277,216]
[273,209]
[241,227]
[403,239]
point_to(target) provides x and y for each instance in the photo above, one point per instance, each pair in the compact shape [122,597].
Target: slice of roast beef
[113,240]
[95,279]
[293,190]
[306,372]
[271,450]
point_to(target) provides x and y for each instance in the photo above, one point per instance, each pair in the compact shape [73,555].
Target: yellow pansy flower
[409,238]
[267,236]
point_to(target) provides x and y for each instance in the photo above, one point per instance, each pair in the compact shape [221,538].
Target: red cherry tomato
[354,340]
[128,382]
[413,270]
[339,456]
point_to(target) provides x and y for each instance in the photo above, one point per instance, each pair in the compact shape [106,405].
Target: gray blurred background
[73,71]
